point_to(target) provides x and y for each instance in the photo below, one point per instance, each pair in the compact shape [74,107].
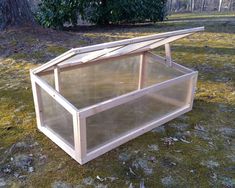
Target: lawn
[201,15]
[156,159]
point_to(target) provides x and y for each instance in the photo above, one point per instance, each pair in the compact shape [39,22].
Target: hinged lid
[116,48]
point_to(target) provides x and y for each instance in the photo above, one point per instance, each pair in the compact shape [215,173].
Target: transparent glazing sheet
[158,72]
[99,82]
[49,78]
[57,118]
[113,123]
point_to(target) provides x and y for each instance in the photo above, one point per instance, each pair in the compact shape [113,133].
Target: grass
[210,52]
[201,15]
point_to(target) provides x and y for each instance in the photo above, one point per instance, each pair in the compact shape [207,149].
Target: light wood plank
[72,66]
[192,89]
[37,101]
[55,61]
[57,78]
[82,142]
[142,71]
[77,138]
[168,54]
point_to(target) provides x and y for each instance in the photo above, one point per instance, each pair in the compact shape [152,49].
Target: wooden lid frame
[116,48]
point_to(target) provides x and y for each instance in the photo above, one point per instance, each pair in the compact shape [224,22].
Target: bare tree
[230,7]
[203,5]
[200,5]
[220,4]
[170,5]
[15,13]
[192,5]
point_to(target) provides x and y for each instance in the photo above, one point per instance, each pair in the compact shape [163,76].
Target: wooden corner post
[37,101]
[80,139]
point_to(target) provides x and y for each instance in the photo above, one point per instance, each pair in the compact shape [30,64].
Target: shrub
[54,13]
[122,11]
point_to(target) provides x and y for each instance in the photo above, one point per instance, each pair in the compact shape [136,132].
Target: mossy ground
[207,161]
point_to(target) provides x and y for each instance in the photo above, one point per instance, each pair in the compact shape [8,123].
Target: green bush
[122,11]
[54,13]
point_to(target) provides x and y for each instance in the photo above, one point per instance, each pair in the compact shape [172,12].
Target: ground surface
[195,150]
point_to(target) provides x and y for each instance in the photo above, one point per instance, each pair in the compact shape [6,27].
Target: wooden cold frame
[79,151]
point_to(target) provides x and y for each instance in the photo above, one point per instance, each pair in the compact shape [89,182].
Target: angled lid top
[116,48]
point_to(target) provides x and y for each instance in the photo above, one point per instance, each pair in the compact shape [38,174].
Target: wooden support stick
[82,139]
[57,78]
[142,70]
[168,54]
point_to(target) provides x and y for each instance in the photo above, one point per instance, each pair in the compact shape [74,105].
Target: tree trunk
[192,5]
[188,8]
[203,5]
[220,4]
[170,6]
[16,13]
[231,5]
[104,10]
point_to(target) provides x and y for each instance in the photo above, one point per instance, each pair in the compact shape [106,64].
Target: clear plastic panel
[115,122]
[111,78]
[49,78]
[158,72]
[99,82]
[57,118]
